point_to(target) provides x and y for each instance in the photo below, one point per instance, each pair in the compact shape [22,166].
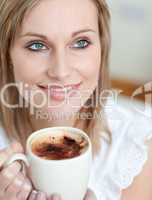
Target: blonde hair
[16,121]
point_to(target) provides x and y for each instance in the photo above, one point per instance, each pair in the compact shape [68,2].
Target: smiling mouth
[57,92]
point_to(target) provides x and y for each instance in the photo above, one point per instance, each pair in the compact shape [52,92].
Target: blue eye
[36,46]
[81,44]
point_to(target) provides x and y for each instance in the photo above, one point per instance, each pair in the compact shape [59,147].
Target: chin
[57,113]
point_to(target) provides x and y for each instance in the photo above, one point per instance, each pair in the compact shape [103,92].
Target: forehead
[60,16]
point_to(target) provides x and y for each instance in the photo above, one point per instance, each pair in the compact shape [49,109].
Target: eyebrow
[45,37]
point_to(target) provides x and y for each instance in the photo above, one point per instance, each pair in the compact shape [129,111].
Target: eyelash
[37,42]
[86,46]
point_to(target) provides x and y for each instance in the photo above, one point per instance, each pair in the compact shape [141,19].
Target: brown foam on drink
[59,147]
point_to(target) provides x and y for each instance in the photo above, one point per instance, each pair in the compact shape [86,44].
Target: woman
[54,59]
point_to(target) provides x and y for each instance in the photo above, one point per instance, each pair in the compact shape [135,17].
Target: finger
[33,195]
[41,196]
[25,190]
[6,153]
[56,197]
[8,174]
[16,184]
[90,195]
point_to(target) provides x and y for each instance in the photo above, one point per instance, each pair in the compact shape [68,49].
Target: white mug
[67,177]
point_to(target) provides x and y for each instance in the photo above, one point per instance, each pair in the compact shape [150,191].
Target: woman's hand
[14,185]
[89,196]
[36,195]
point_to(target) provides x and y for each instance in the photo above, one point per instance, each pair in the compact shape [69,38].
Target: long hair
[16,122]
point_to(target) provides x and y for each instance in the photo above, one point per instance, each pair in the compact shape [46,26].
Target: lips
[57,92]
[60,88]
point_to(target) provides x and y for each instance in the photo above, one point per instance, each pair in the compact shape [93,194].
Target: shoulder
[131,129]
[129,155]
[141,186]
[128,118]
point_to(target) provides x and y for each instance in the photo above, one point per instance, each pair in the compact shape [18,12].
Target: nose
[59,66]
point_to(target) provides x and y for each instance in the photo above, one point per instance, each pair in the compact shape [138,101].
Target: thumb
[6,153]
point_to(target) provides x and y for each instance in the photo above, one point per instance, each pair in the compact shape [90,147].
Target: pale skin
[14,183]
[60,60]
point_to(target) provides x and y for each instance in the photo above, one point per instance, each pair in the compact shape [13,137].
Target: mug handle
[17,157]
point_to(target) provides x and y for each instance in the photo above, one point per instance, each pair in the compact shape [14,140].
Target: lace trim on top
[128,161]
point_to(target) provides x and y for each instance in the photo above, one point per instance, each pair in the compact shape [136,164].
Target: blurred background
[131,55]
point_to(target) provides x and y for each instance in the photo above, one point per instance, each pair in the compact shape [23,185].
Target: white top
[120,162]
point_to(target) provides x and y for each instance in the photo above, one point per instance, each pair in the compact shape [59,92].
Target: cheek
[91,66]
[26,69]
[24,73]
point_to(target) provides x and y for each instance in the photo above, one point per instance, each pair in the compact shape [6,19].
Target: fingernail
[33,195]
[27,186]
[41,196]
[55,197]
[18,182]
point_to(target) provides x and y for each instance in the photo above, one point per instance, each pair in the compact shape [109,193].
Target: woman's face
[57,53]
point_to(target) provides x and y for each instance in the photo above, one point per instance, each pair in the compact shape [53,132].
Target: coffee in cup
[59,147]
